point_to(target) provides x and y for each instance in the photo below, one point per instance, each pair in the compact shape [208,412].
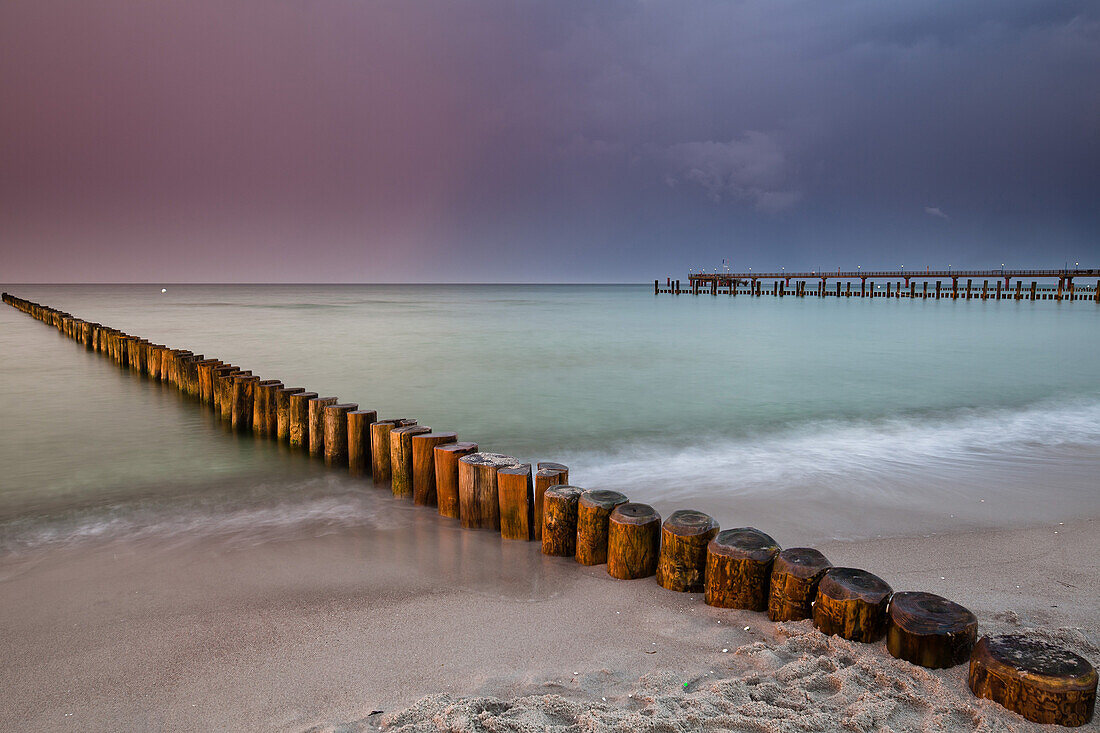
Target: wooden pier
[916,285]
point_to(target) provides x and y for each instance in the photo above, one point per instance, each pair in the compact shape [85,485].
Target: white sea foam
[237,524]
[1002,448]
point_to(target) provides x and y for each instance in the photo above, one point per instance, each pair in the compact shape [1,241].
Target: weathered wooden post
[684,539]
[1040,681]
[515,495]
[381,468]
[968,282]
[851,603]
[1018,284]
[264,418]
[220,379]
[243,387]
[1033,289]
[359,450]
[189,375]
[282,412]
[299,419]
[559,520]
[478,502]
[315,411]
[937,290]
[930,630]
[633,541]
[738,569]
[206,373]
[548,474]
[793,587]
[593,516]
[335,418]
[446,476]
[401,469]
[655,288]
[998,294]
[423,464]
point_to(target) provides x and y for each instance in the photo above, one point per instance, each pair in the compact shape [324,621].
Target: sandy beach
[424,627]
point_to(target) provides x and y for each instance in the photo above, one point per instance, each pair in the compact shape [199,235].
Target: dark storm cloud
[255,140]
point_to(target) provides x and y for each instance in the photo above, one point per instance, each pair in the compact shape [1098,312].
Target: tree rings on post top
[684,539]
[930,630]
[1039,680]
[739,566]
[633,541]
[851,603]
[593,514]
[795,575]
[559,520]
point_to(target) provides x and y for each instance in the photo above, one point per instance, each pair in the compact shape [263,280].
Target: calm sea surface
[809,419]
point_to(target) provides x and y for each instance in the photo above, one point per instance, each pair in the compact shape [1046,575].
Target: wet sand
[349,631]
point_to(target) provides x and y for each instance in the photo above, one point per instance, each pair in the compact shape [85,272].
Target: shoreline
[317,633]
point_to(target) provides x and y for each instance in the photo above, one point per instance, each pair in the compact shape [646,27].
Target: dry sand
[424,627]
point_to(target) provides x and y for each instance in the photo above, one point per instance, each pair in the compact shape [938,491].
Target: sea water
[808,418]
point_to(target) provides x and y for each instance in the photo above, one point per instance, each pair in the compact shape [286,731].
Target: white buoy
[164,290]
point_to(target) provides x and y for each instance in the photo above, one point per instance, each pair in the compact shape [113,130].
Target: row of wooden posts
[739,568]
[781,288]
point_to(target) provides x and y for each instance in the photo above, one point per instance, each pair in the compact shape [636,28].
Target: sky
[563,141]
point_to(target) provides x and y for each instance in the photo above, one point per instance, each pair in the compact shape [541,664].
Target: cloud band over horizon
[249,140]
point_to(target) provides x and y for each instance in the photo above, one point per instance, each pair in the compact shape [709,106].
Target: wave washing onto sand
[241,524]
[871,454]
[800,681]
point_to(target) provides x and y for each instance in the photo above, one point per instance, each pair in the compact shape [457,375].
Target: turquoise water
[808,418]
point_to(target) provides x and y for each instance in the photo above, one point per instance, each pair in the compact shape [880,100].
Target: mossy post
[633,541]
[593,514]
[401,468]
[423,464]
[684,539]
[1039,680]
[559,520]
[446,476]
